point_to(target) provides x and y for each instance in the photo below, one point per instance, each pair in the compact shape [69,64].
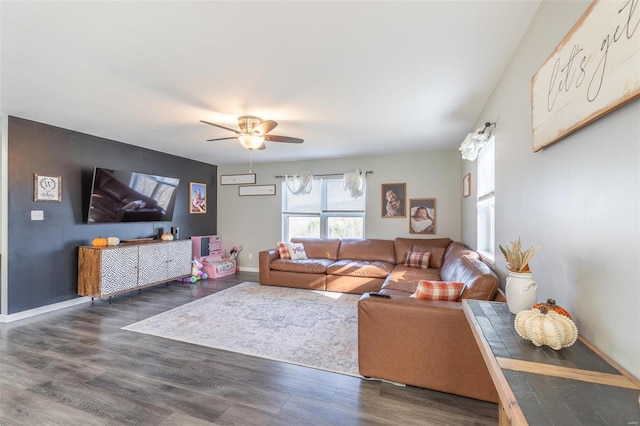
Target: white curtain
[354,183]
[300,184]
[473,143]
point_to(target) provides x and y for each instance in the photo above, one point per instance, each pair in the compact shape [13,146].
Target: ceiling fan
[253,132]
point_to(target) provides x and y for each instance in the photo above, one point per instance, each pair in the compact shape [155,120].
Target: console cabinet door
[152,263]
[110,270]
[179,259]
[118,269]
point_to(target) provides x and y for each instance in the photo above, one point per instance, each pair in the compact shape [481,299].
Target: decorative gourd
[166,237]
[547,328]
[521,320]
[551,306]
[113,241]
[99,242]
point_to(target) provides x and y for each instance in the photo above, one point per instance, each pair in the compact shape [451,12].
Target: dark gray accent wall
[43,255]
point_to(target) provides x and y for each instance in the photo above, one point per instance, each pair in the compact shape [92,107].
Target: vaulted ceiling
[349,77]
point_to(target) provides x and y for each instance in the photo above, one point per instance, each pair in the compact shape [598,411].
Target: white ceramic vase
[522,291]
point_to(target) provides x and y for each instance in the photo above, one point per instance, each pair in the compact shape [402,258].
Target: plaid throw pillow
[418,259]
[284,250]
[438,290]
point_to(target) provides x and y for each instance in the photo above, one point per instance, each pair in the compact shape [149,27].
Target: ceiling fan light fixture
[253,133]
[251,141]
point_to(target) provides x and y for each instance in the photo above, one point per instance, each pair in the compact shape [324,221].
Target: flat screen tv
[121,196]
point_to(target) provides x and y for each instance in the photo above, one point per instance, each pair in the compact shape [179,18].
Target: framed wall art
[466,185]
[47,188]
[256,190]
[593,71]
[423,216]
[197,198]
[393,200]
[249,178]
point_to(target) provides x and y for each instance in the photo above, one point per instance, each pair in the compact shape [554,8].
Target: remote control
[376,294]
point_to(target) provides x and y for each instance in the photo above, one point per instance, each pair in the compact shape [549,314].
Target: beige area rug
[310,328]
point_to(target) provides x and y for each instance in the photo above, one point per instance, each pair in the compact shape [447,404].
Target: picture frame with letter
[47,188]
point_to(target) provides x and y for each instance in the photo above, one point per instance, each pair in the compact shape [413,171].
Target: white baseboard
[43,309]
[246,269]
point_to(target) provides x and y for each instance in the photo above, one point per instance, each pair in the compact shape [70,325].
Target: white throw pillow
[296,251]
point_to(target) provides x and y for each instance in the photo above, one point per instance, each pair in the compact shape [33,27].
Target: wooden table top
[541,386]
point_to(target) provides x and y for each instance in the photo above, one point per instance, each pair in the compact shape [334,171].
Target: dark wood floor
[77,367]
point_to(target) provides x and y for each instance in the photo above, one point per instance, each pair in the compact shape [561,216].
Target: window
[486,200]
[328,211]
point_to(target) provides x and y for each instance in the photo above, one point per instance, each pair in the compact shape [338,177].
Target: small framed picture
[47,188]
[253,190]
[393,200]
[423,216]
[238,179]
[197,197]
[466,185]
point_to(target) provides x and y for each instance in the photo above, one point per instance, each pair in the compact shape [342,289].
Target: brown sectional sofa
[422,343]
[346,266]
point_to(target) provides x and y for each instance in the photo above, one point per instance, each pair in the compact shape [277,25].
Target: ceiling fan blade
[222,127]
[287,139]
[221,139]
[264,127]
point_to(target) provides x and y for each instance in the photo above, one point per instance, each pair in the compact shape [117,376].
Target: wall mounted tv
[120,196]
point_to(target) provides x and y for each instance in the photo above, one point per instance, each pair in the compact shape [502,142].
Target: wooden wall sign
[595,69]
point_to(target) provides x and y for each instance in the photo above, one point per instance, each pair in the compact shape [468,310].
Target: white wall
[577,199]
[256,223]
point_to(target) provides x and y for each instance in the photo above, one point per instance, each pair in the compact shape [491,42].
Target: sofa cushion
[464,265]
[418,259]
[283,249]
[310,266]
[320,248]
[438,290]
[405,279]
[405,245]
[454,252]
[436,257]
[359,268]
[296,251]
[368,249]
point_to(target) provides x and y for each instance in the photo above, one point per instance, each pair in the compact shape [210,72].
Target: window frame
[485,203]
[324,214]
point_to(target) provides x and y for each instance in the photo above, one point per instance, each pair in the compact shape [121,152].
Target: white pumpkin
[113,241]
[520,321]
[546,328]
[166,237]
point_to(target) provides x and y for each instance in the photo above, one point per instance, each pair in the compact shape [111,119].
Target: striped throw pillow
[283,249]
[438,290]
[418,259]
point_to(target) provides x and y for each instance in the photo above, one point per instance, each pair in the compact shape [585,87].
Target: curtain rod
[367,172]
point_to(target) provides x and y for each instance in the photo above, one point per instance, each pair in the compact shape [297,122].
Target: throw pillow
[418,259]
[283,250]
[438,290]
[437,254]
[296,251]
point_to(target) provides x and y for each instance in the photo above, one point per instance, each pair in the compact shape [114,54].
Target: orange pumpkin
[551,306]
[99,242]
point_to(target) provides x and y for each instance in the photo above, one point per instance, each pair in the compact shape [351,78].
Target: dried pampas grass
[518,260]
